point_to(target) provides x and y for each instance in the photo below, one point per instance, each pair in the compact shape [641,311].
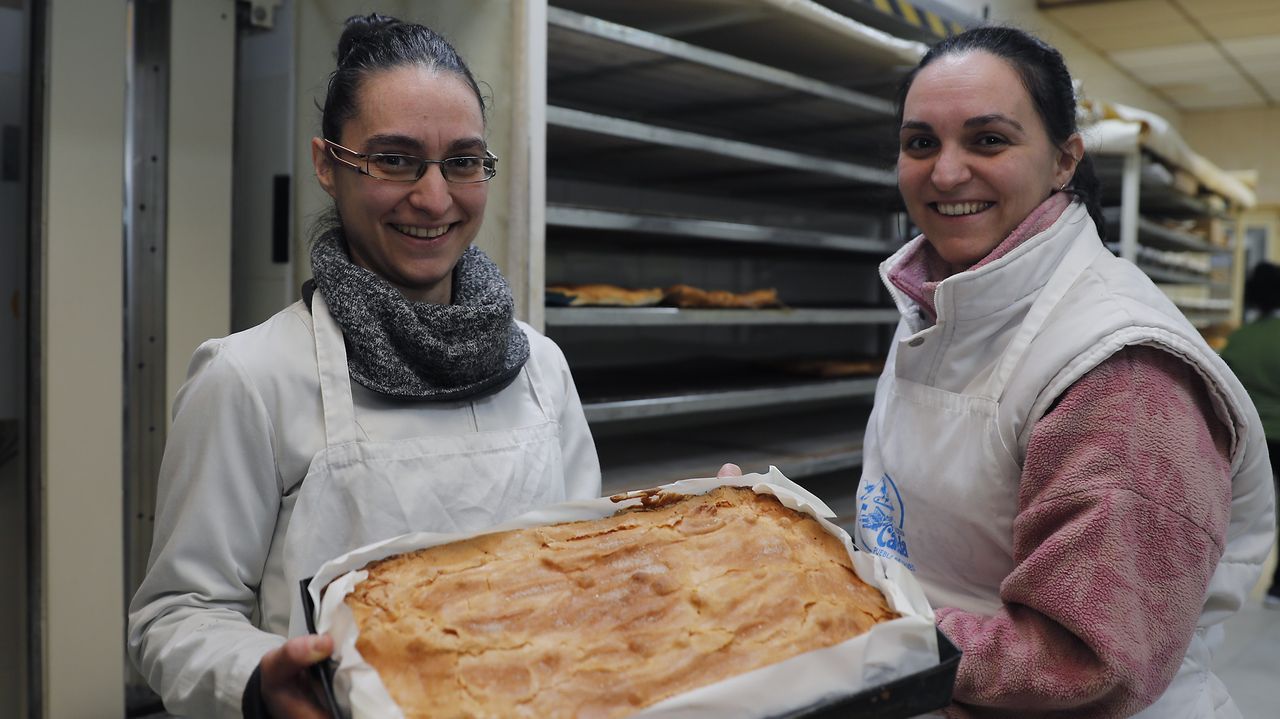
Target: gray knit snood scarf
[417,350]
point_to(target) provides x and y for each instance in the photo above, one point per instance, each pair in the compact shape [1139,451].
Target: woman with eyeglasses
[1076,479]
[400,394]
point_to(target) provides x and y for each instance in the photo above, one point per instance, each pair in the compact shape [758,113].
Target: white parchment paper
[890,650]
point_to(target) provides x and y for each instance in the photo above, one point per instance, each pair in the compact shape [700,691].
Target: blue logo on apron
[881,514]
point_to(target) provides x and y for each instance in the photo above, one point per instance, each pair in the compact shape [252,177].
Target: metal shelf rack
[1139,192]
[627,223]
[779,396]
[684,73]
[796,36]
[1153,234]
[731,146]
[625,150]
[1173,276]
[822,444]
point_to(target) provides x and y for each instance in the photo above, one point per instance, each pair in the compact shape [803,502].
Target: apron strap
[335,377]
[537,396]
[1081,254]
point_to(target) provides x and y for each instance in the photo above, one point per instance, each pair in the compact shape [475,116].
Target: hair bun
[374,43]
[359,29]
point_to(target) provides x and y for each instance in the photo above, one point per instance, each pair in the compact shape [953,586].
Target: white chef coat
[958,400]
[249,425]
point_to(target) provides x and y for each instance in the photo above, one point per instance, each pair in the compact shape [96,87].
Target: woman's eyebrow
[468,143]
[994,118]
[403,141]
[411,144]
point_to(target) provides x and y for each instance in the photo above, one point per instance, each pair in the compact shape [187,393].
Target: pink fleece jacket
[1123,507]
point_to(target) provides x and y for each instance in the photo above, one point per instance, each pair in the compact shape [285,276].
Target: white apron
[359,492]
[947,512]
[960,544]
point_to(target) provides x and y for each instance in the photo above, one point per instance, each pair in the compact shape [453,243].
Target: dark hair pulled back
[1044,75]
[372,43]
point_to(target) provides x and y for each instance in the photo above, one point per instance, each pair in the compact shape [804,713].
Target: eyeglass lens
[406,168]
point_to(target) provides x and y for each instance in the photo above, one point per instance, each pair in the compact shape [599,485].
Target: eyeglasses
[395,167]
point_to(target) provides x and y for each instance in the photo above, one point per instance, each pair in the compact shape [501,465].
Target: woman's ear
[323,164]
[1069,156]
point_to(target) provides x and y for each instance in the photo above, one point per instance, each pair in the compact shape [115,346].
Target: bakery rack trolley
[1179,236]
[730,145]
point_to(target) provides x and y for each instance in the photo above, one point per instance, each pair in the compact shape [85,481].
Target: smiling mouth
[422,233]
[958,209]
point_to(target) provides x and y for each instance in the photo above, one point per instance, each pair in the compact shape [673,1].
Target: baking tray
[903,698]
[322,672]
[910,696]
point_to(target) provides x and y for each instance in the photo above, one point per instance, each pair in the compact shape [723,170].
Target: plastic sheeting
[1113,128]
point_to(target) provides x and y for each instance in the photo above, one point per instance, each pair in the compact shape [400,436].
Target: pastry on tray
[601,618]
[601,296]
[688,296]
[683,296]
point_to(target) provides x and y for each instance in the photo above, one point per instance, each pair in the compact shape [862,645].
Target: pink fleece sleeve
[1123,509]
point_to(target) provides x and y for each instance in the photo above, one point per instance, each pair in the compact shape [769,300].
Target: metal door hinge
[260,13]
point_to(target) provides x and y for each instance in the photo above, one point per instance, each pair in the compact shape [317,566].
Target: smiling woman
[410,232]
[1078,481]
[400,394]
[975,158]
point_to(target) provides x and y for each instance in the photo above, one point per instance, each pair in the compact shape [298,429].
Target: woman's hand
[287,688]
[729,470]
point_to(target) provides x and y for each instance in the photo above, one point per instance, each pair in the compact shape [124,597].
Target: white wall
[1244,139]
[81,310]
[201,98]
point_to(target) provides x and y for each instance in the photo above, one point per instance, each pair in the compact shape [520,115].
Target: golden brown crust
[608,295]
[688,296]
[683,296]
[604,617]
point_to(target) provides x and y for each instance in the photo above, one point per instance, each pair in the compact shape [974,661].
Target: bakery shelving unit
[819,443]
[692,402]
[730,146]
[1180,239]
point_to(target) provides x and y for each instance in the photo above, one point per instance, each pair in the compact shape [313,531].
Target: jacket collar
[1016,268]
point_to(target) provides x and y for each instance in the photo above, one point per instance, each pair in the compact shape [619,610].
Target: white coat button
[915,342]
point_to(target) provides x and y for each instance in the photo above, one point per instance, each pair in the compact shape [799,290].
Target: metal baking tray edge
[912,695]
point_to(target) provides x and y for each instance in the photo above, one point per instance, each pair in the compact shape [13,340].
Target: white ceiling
[1197,54]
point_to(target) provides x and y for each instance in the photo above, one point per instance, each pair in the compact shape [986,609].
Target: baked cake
[602,618]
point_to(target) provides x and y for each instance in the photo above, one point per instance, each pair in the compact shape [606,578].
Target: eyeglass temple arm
[348,163]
